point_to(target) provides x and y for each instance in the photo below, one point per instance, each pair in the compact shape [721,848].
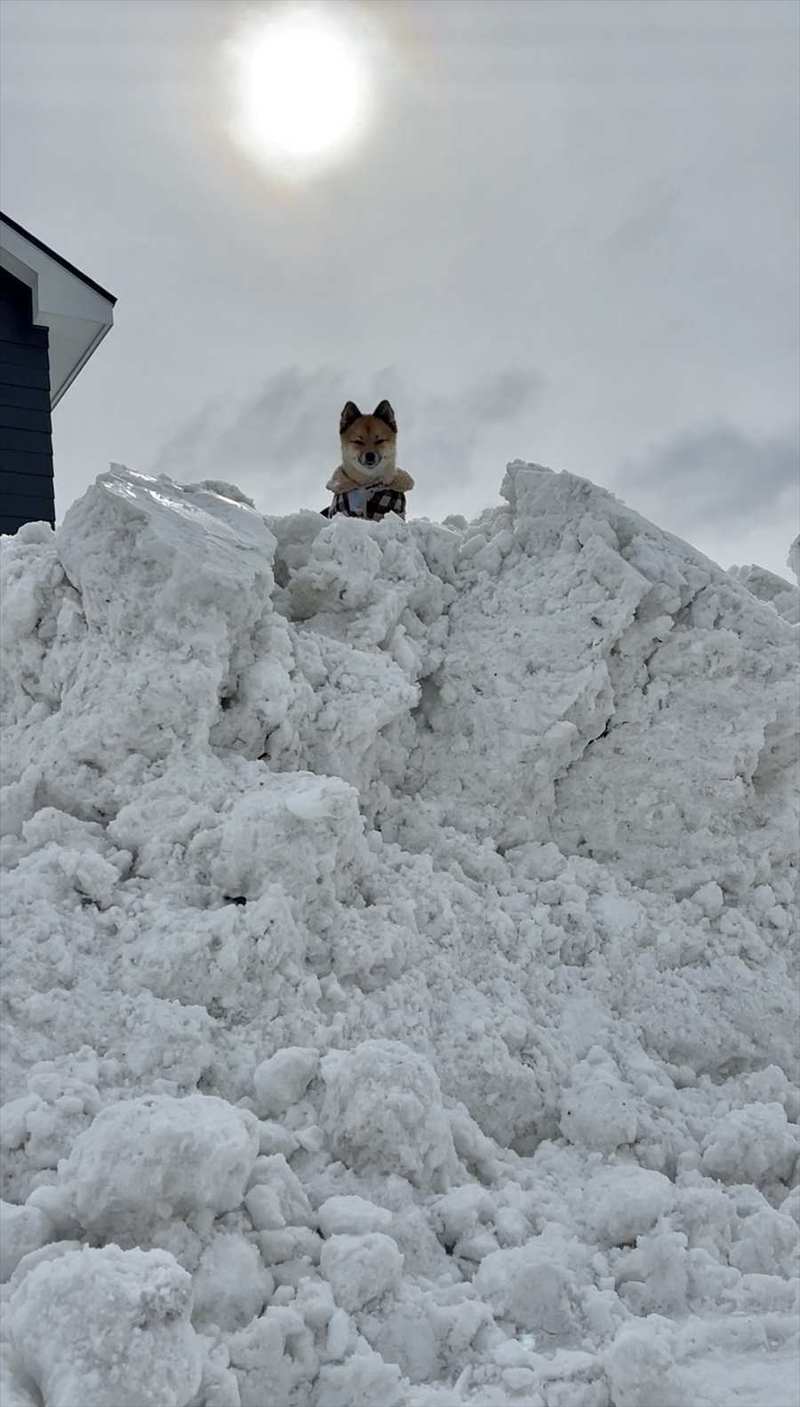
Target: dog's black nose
[370,457]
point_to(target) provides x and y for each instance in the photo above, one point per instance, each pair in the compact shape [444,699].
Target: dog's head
[369,443]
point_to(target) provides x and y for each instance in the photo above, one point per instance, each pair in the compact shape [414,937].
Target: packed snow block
[709,899]
[597,1108]
[22,1229]
[264,1208]
[640,1365]
[460,1212]
[342,573]
[46,1121]
[292,830]
[625,1201]
[355,695]
[383,1109]
[784,596]
[362,1381]
[367,606]
[361,581]
[154,1158]
[655,1277]
[193,548]
[351,1216]
[231,1284]
[532,1286]
[585,642]
[753,1144]
[227,958]
[361,1269]
[274,1357]
[727,669]
[769,1244]
[107,1328]
[314,1300]
[276,1138]
[431,1335]
[513,703]
[156,567]
[276,1196]
[289,1251]
[513,1100]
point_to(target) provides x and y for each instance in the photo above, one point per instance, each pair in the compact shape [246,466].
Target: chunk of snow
[769,1245]
[709,898]
[383,1108]
[751,1144]
[597,1109]
[282,1080]
[462,1209]
[360,1382]
[231,1284]
[361,1268]
[530,1285]
[157,1157]
[107,1328]
[625,1201]
[640,1367]
[273,1176]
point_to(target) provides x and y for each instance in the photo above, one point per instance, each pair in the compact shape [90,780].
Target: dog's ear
[350,413]
[385,413]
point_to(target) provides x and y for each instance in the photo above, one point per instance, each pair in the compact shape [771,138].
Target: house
[52,317]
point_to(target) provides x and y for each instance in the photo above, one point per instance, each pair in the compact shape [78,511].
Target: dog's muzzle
[369,459]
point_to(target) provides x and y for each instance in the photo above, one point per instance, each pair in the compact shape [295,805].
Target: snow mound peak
[397,957]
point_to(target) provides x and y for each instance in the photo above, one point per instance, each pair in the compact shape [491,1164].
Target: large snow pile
[398,924]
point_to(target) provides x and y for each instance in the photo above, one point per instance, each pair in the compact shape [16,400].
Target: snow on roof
[397,986]
[76,309]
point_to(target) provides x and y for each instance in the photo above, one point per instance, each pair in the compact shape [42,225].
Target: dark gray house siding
[26,449]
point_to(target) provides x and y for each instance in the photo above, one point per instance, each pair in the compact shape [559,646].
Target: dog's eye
[360,443]
[380,442]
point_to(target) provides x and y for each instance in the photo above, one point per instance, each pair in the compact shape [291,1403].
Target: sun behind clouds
[301,88]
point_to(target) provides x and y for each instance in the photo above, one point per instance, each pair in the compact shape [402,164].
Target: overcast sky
[568,233]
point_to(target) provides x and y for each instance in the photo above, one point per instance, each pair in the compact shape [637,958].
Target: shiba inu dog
[367,483]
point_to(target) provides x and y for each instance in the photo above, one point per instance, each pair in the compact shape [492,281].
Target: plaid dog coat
[372,503]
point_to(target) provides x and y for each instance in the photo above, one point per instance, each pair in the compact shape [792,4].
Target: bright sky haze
[559,231]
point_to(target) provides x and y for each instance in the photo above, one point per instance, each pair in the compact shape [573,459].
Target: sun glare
[301,88]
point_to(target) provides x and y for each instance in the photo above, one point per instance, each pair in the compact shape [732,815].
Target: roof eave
[57,392]
[76,310]
[59,258]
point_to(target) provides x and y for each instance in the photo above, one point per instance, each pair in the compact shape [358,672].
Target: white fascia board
[77,316]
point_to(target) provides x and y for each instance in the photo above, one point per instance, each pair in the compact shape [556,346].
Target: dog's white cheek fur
[378,475]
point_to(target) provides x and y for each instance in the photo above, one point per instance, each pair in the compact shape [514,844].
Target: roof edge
[59,258]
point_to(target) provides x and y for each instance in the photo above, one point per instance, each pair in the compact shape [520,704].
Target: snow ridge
[398,1000]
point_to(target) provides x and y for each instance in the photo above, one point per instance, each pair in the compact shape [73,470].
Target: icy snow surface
[398,928]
